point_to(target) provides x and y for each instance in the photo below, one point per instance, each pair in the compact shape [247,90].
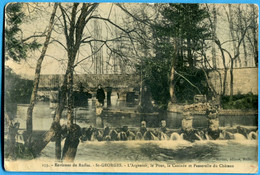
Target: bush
[248,101]
[20,152]
[17,90]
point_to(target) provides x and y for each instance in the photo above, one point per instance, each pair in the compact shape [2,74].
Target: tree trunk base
[58,147]
[71,143]
[38,144]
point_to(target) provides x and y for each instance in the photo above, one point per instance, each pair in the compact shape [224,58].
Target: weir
[119,134]
[123,124]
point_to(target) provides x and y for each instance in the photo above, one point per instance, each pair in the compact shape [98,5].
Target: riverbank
[200,109]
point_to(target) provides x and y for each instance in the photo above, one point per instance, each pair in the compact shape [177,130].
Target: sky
[55,59]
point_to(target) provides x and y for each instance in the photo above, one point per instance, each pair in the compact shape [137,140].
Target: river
[239,149]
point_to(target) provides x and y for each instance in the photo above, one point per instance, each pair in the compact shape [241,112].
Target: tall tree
[73,30]
[254,30]
[184,23]
[239,25]
[237,42]
[175,33]
[185,27]
[16,49]
[214,28]
[29,119]
[73,19]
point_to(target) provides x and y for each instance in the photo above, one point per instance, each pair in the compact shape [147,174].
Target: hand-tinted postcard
[131,87]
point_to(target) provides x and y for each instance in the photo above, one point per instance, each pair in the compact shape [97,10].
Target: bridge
[121,83]
[117,81]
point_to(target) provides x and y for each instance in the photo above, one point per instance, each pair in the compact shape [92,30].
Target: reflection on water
[169,151]
[174,120]
[86,116]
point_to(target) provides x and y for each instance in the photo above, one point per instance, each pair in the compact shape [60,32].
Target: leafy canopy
[16,48]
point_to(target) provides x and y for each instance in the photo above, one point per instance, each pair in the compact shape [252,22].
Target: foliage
[17,89]
[16,47]
[248,101]
[184,91]
[155,75]
[179,35]
[20,152]
[184,23]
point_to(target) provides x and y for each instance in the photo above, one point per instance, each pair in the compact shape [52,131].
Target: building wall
[245,80]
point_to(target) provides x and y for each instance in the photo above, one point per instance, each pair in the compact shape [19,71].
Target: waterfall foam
[238,136]
[252,136]
[176,136]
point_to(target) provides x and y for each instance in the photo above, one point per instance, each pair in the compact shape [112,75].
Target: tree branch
[65,23]
[54,40]
[108,20]
[89,56]
[187,81]
[33,36]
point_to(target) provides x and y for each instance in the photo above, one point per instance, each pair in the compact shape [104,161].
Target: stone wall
[245,80]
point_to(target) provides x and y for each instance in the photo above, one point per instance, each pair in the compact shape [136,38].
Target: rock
[214,134]
[190,135]
[99,122]
[213,124]
[186,123]
[199,98]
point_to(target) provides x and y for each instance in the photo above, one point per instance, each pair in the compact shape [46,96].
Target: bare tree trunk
[172,93]
[182,54]
[70,114]
[238,60]
[72,139]
[231,30]
[58,114]
[231,80]
[58,147]
[256,48]
[190,60]
[210,85]
[240,17]
[29,126]
[214,25]
[74,131]
[171,88]
[71,143]
[236,49]
[255,32]
[224,65]
[73,33]
[245,53]
[38,145]
[217,42]
[55,130]
[224,79]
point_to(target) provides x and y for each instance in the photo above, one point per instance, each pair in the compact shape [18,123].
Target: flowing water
[172,149]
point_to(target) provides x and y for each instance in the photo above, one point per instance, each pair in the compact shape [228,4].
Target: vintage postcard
[131,87]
